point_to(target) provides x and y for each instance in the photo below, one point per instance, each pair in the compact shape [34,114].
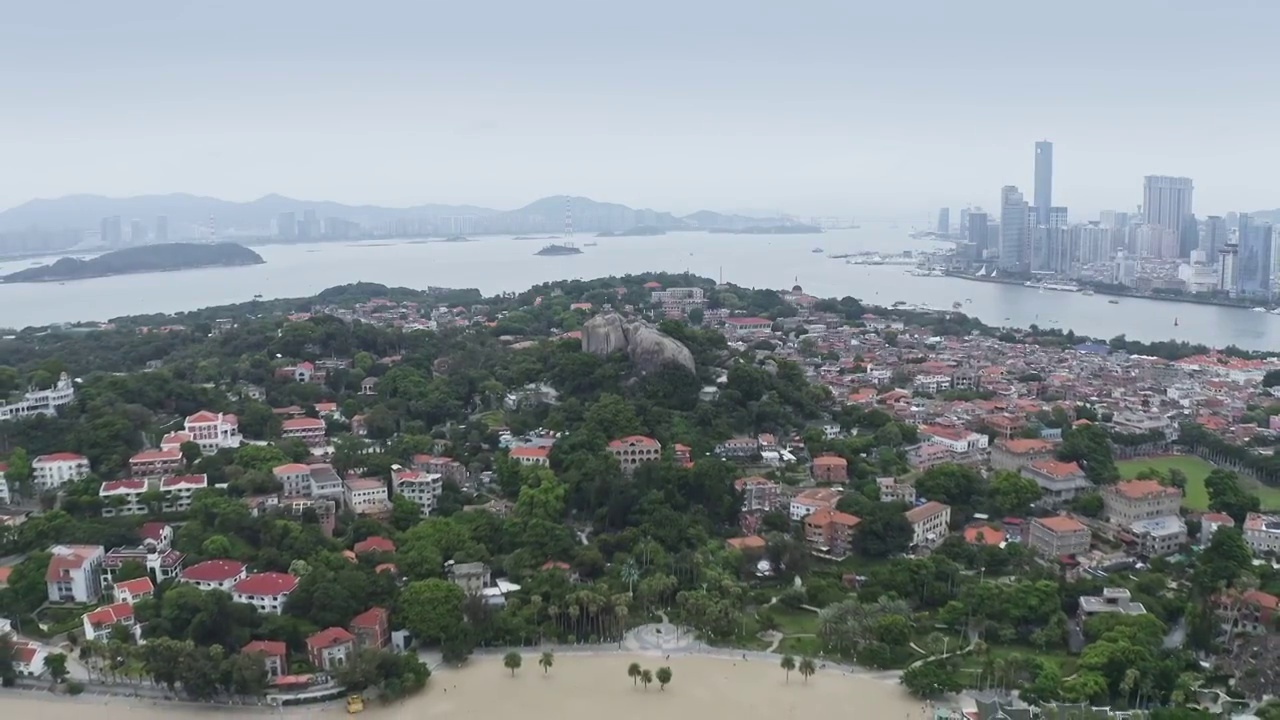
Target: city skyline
[857,109]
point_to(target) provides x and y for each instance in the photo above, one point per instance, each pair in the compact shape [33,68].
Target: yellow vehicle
[355,704]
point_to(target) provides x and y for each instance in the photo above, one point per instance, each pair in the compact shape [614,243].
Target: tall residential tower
[1044,181]
[1014,224]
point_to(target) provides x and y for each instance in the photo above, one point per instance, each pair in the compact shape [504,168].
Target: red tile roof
[134,485]
[1061,524]
[272,648]
[291,469]
[135,587]
[371,618]
[153,455]
[1056,469]
[213,571]
[302,423]
[833,460]
[180,481]
[529,452]
[110,615]
[59,457]
[329,637]
[61,565]
[924,512]
[1137,489]
[267,583]
[374,544]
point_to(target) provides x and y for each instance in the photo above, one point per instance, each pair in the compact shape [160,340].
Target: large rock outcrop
[648,348]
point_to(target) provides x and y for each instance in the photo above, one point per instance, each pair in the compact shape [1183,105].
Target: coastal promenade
[661,641]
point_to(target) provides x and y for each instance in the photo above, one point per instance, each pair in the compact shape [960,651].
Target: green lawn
[795,622]
[1196,470]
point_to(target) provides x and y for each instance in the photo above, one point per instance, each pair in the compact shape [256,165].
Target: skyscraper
[976,233]
[1215,236]
[313,223]
[1013,229]
[1044,181]
[162,229]
[964,219]
[1166,201]
[1057,217]
[286,226]
[1254,264]
[112,236]
[944,221]
[1188,235]
[137,232]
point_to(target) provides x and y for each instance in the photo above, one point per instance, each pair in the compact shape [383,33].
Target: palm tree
[646,677]
[630,574]
[807,668]
[633,672]
[1128,683]
[664,677]
[547,660]
[512,661]
[788,664]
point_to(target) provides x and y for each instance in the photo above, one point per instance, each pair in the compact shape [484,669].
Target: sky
[814,107]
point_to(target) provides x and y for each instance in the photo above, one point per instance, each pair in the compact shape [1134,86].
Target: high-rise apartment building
[137,232]
[112,234]
[964,220]
[944,221]
[1094,243]
[1228,278]
[1057,217]
[1254,264]
[1214,238]
[286,225]
[1166,201]
[976,233]
[162,229]
[1044,181]
[1188,236]
[1014,223]
[312,222]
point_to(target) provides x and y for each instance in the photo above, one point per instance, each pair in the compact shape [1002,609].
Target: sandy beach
[579,687]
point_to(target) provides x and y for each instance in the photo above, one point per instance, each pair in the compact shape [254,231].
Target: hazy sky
[811,106]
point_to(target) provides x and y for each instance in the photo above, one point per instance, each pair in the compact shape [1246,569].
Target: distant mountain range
[85,212]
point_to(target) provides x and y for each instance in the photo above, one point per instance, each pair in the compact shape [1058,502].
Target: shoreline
[130,272]
[1190,300]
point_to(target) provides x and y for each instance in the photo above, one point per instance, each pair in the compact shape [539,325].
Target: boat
[1060,287]
[1087,292]
[554,249]
[1259,309]
[816,250]
[1175,322]
[593,243]
[1114,302]
[1276,311]
[458,238]
[355,704]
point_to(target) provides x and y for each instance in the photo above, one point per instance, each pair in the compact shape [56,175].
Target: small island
[458,239]
[637,231]
[795,229]
[163,257]
[554,249]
